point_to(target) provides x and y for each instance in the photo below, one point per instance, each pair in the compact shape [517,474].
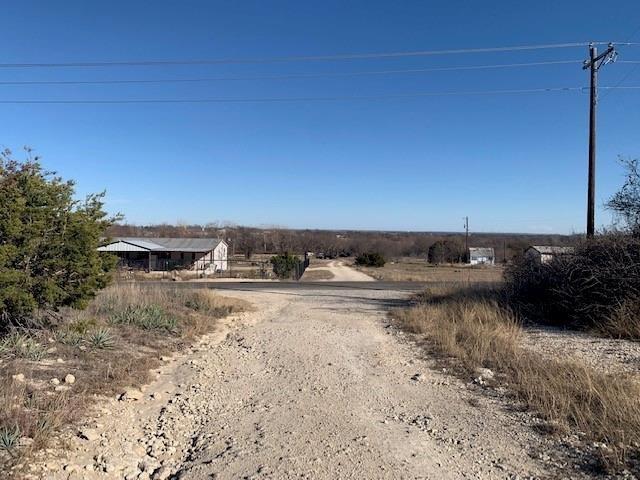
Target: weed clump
[148,317]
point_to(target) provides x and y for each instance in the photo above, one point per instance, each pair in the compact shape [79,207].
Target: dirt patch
[312,274]
[341,272]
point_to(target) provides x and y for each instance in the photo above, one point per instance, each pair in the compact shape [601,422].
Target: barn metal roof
[158,244]
[121,246]
[481,252]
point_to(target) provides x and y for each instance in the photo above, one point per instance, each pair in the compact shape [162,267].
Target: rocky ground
[604,354]
[314,384]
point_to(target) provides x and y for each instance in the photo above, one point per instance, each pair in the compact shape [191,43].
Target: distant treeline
[334,243]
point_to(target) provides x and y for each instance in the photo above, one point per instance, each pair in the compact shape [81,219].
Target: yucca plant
[69,337]
[149,317]
[9,438]
[101,339]
[23,346]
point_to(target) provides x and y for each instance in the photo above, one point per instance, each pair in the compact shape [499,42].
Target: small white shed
[482,256]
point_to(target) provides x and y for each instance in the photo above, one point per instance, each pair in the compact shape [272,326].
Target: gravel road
[313,384]
[341,272]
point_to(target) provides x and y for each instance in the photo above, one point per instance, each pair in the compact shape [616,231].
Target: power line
[313,99]
[288,76]
[356,56]
[629,73]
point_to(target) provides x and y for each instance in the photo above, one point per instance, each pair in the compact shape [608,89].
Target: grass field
[418,270]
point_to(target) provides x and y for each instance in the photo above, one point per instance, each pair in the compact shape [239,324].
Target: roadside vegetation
[49,377]
[287,266]
[48,242]
[65,336]
[473,330]
[594,288]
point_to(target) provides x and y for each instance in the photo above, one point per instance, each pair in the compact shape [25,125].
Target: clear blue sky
[510,162]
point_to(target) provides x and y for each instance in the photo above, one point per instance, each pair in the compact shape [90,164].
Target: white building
[201,254]
[546,253]
[482,256]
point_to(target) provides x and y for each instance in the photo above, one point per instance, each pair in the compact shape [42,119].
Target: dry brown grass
[475,331]
[124,359]
[418,270]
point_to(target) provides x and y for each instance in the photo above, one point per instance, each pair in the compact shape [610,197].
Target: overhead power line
[313,99]
[289,76]
[355,56]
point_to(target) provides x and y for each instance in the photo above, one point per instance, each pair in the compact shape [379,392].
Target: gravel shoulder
[314,384]
[607,355]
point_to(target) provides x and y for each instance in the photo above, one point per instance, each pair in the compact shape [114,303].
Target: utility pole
[594,63]
[466,238]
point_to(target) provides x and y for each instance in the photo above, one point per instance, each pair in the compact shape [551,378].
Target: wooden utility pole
[466,238]
[594,63]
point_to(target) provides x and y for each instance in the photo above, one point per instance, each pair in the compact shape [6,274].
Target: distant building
[482,256]
[203,254]
[545,253]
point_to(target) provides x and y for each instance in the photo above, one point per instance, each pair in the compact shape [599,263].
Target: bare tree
[625,203]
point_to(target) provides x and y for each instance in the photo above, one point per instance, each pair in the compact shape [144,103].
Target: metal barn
[200,254]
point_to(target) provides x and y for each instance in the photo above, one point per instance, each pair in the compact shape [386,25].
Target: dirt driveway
[336,271]
[315,384]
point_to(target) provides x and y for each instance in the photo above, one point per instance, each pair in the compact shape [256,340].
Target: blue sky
[510,162]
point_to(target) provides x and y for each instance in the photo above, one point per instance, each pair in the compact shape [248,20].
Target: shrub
[597,286]
[372,259]
[286,265]
[48,253]
[82,325]
[446,251]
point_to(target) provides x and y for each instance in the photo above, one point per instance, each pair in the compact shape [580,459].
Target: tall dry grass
[475,331]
